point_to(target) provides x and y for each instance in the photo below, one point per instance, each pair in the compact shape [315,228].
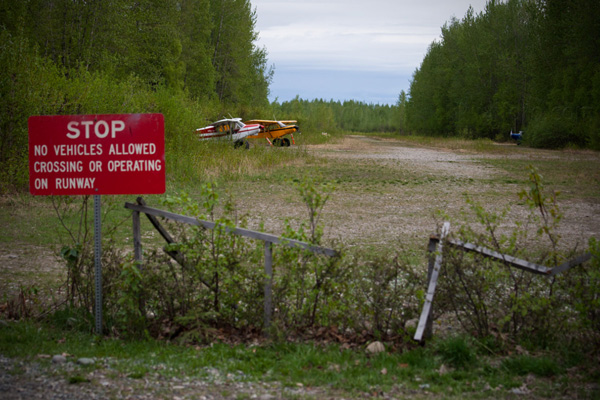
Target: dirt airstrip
[399,200]
[392,197]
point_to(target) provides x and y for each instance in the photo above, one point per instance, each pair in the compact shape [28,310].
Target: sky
[364,50]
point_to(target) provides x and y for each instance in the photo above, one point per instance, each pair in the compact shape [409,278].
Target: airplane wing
[270,122]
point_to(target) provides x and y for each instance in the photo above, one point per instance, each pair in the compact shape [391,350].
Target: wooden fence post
[431,286]
[268,283]
[137,239]
[431,247]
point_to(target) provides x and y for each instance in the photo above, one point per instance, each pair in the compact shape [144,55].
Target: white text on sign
[100,128]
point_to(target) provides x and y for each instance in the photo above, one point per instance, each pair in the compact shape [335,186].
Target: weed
[525,364]
[458,352]
[75,379]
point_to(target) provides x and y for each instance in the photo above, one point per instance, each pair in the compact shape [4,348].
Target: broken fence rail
[424,326]
[268,240]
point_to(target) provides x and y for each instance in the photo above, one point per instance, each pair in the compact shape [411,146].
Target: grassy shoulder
[456,367]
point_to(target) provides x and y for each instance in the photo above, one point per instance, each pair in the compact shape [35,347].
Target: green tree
[566,86]
[195,31]
[242,75]
[519,65]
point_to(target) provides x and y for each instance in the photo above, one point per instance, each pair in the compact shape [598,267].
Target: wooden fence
[268,240]
[435,249]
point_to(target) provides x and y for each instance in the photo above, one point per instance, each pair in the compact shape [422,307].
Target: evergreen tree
[520,64]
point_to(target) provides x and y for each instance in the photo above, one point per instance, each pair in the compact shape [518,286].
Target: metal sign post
[98,262]
[95,155]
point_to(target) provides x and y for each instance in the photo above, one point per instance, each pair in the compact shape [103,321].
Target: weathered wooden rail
[268,240]
[424,328]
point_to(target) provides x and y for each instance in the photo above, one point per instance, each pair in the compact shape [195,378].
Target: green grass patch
[465,145]
[574,178]
[525,364]
[458,352]
[450,367]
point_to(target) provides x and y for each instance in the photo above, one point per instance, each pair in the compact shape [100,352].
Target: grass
[573,178]
[525,364]
[465,145]
[351,371]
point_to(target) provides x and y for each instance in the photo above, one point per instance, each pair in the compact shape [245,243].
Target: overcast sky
[364,50]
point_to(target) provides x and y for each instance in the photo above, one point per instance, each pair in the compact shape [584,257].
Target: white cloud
[353,35]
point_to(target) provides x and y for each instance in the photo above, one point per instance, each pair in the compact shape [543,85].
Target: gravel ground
[70,381]
[405,213]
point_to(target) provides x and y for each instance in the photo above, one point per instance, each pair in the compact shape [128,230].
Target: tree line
[205,47]
[192,60]
[531,65]
[320,115]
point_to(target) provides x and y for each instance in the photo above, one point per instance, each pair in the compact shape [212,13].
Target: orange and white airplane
[274,131]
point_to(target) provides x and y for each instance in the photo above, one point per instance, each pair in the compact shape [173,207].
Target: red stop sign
[97,154]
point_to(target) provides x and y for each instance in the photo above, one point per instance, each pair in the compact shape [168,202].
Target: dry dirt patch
[441,177]
[391,152]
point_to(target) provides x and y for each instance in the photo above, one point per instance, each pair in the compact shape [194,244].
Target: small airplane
[229,128]
[274,131]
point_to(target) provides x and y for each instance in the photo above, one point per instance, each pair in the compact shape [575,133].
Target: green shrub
[383,294]
[490,297]
[553,131]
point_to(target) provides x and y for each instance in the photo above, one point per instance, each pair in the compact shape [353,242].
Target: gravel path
[420,183]
[70,381]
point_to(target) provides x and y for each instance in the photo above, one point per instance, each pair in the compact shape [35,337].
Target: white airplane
[231,129]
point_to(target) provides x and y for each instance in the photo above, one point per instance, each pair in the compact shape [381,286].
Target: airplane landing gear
[285,142]
[241,143]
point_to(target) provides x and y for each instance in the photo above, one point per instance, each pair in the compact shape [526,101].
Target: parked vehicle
[274,131]
[229,129]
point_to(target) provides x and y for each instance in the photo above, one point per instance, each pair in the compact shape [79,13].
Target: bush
[553,131]
[385,294]
[209,280]
[489,297]
[579,291]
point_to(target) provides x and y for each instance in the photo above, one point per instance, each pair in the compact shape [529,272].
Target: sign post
[97,155]
[98,263]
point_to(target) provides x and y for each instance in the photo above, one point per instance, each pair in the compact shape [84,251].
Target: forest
[191,60]
[518,65]
[530,65]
